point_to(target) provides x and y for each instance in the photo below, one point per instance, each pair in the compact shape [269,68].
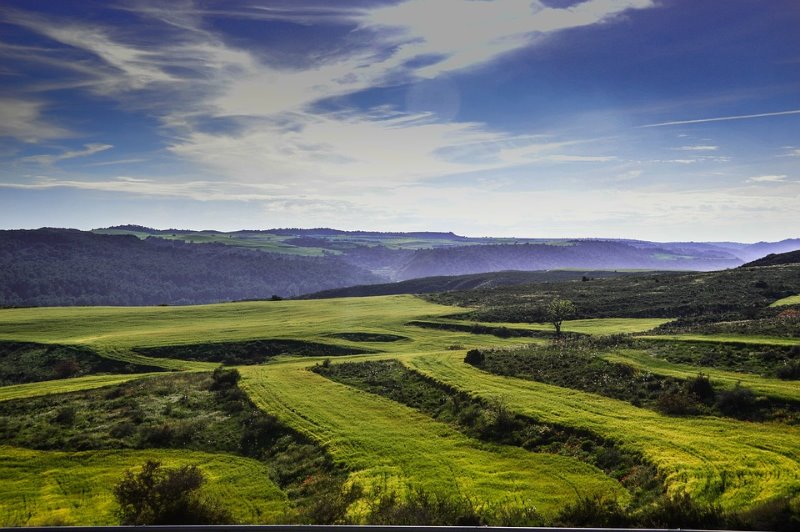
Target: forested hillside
[739,293]
[774,259]
[583,254]
[427,285]
[68,267]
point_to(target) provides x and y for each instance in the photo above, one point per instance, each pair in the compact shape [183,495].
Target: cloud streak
[723,118]
[89,150]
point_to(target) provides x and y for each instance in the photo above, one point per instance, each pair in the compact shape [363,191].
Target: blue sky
[653,119]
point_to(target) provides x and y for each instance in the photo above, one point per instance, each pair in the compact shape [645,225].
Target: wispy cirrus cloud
[210,79]
[87,151]
[699,147]
[767,178]
[23,119]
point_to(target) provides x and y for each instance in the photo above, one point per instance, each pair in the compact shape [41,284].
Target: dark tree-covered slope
[774,259]
[69,267]
[427,285]
[739,293]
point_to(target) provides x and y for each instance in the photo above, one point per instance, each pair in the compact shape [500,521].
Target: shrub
[475,357]
[420,507]
[331,500]
[223,379]
[595,511]
[680,511]
[790,370]
[701,388]
[158,496]
[738,402]
[674,402]
[66,368]
[65,415]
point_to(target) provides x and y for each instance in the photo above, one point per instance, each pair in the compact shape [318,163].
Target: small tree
[158,496]
[558,310]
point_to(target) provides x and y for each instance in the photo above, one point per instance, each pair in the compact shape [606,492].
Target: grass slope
[598,326]
[787,390]
[383,441]
[725,338]
[37,389]
[733,463]
[791,300]
[60,488]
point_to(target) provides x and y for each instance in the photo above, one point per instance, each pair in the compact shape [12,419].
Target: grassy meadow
[376,443]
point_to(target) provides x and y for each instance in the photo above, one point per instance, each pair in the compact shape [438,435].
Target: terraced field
[729,462]
[377,442]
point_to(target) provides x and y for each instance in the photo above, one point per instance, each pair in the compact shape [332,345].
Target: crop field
[718,460]
[379,444]
[641,360]
[786,301]
[72,488]
[726,338]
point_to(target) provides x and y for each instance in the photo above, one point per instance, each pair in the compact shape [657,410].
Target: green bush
[159,496]
[475,357]
[738,402]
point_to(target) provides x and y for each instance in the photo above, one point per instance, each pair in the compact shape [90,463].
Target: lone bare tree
[559,310]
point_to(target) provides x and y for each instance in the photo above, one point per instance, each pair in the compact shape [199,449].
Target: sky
[668,120]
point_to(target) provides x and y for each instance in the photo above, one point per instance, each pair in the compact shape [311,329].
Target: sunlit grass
[642,360]
[386,442]
[725,338]
[715,460]
[791,300]
[596,326]
[41,488]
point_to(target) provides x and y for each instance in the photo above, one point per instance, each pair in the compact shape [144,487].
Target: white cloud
[278,135]
[703,147]
[22,119]
[767,179]
[88,150]
[483,32]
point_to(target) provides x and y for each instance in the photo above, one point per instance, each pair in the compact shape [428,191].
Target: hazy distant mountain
[398,256]
[137,265]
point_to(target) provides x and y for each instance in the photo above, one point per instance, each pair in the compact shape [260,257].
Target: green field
[641,360]
[377,441]
[725,338]
[729,462]
[383,440]
[791,300]
[41,488]
[598,326]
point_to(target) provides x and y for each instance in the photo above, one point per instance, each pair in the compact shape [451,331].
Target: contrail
[721,118]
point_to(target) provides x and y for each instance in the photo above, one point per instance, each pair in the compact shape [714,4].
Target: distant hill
[55,267]
[581,254]
[398,256]
[774,259]
[428,285]
[139,265]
